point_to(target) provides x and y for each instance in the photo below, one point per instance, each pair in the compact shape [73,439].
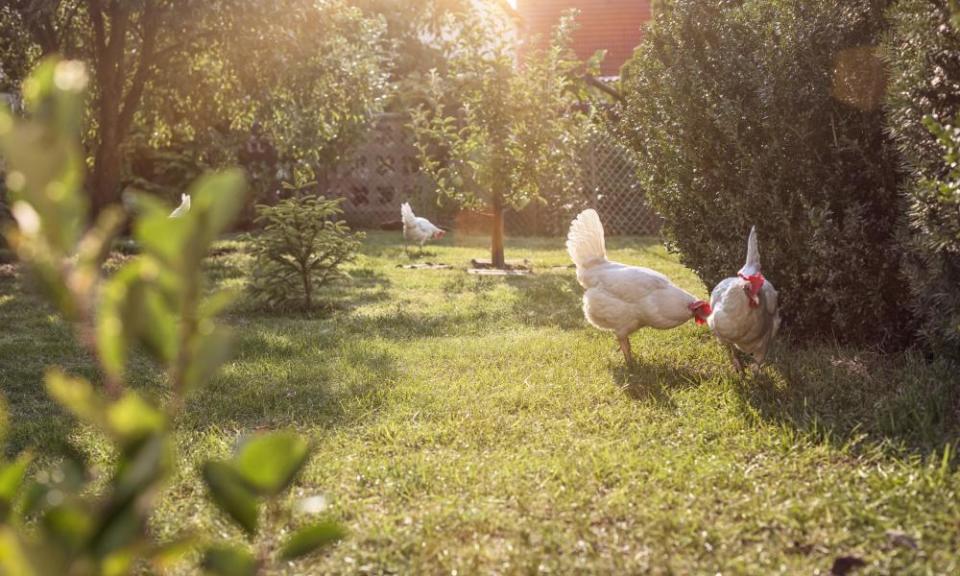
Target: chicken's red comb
[701,309]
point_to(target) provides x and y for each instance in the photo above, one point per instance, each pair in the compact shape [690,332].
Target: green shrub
[61,520]
[299,249]
[923,51]
[770,113]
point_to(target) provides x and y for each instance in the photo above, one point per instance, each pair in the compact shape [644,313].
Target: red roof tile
[612,25]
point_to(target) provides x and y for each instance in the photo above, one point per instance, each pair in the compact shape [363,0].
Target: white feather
[733,321]
[183,208]
[415,228]
[585,241]
[619,297]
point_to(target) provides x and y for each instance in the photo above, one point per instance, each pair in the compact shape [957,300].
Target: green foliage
[263,468]
[923,104]
[498,135]
[769,113]
[176,95]
[61,521]
[299,248]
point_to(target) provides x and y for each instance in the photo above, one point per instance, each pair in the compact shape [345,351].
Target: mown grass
[478,425]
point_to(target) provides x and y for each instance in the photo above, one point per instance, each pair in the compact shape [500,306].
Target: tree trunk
[117,102]
[107,165]
[307,290]
[496,236]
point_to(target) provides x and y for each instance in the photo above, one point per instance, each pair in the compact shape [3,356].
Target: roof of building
[615,26]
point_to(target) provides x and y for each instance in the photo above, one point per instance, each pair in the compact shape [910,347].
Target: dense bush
[770,113]
[923,51]
[299,249]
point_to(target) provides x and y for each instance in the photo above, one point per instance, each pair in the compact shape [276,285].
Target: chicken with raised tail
[417,229]
[183,208]
[623,298]
[746,315]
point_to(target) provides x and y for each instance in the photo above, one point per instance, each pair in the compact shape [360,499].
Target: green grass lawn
[478,425]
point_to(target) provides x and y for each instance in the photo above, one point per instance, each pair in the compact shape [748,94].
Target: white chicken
[623,298]
[417,229]
[183,208]
[745,311]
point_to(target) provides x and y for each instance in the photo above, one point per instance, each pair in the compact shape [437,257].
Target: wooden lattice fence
[383,173]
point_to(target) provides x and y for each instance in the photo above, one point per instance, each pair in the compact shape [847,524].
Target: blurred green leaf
[310,539]
[156,232]
[44,159]
[11,480]
[117,316]
[231,494]
[14,558]
[69,523]
[119,563]
[217,198]
[120,529]
[131,418]
[270,462]
[216,303]
[95,245]
[212,349]
[76,395]
[168,554]
[224,561]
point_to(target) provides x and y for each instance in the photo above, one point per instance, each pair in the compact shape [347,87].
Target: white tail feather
[585,241]
[752,265]
[183,208]
[406,212]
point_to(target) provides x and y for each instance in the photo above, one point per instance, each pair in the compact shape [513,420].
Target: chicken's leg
[733,358]
[625,348]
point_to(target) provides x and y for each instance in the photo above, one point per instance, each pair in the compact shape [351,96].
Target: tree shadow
[547,300]
[277,380]
[403,322]
[899,401]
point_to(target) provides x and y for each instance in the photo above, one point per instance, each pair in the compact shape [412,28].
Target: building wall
[612,25]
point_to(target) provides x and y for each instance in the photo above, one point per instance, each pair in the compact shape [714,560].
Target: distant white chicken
[183,208]
[624,298]
[745,311]
[417,229]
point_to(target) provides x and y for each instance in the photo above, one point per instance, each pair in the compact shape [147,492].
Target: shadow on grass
[846,397]
[406,323]
[548,300]
[279,381]
[365,286]
[31,339]
[652,381]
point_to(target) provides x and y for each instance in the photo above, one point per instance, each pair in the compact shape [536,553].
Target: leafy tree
[313,74]
[59,522]
[923,52]
[124,42]
[187,76]
[770,113]
[412,27]
[300,248]
[500,135]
